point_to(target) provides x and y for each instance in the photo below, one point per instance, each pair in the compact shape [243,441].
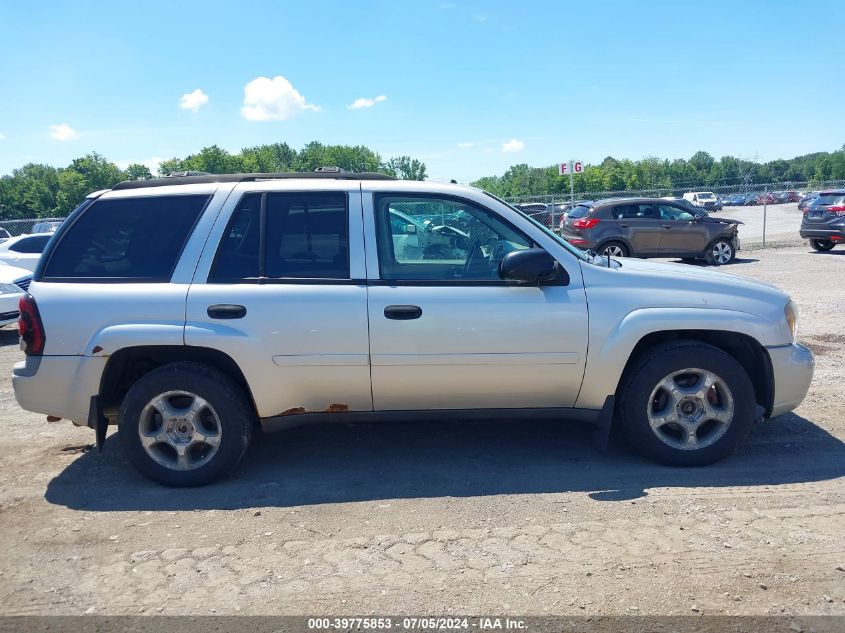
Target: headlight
[791,314]
[9,289]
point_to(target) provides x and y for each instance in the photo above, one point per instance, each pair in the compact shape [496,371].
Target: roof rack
[212,178]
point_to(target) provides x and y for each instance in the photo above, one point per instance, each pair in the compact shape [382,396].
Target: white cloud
[273,99]
[193,101]
[63,132]
[466,145]
[513,145]
[363,102]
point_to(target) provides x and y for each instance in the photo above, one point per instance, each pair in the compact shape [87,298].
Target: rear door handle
[226,311]
[666,226]
[624,226]
[403,312]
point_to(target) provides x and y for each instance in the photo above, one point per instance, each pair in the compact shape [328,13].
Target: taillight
[838,209]
[585,223]
[30,327]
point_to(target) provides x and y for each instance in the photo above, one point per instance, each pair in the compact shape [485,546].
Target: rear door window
[35,244]
[133,239]
[302,236]
[633,212]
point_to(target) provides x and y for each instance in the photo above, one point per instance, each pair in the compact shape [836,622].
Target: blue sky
[469,87]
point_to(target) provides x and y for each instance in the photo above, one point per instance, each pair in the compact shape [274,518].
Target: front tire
[721,252]
[185,424]
[822,246]
[686,403]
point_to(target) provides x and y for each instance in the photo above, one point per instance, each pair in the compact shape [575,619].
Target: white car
[283,299]
[14,283]
[703,199]
[24,251]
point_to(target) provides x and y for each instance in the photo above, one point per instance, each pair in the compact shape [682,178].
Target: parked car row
[758,198]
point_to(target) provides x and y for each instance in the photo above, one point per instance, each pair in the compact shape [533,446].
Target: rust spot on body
[337,408]
[97,349]
[332,408]
[293,411]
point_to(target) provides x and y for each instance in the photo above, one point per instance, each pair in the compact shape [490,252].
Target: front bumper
[792,368]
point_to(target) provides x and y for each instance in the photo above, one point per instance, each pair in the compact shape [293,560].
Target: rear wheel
[614,249]
[185,424]
[721,252]
[822,245]
[686,404]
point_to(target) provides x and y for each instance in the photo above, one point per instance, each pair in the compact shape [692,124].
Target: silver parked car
[275,299]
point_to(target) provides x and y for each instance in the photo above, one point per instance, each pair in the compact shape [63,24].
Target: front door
[446,332]
[680,233]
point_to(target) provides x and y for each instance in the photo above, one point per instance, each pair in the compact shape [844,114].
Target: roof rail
[168,181]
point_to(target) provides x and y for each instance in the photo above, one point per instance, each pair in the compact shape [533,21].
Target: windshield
[706,196]
[557,238]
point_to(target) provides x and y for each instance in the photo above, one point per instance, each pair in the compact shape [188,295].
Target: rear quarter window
[138,239]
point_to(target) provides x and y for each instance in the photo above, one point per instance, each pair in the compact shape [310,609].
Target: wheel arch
[128,364]
[743,348]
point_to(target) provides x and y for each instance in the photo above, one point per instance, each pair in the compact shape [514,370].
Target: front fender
[613,340]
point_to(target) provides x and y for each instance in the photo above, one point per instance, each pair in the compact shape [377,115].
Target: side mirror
[532,266]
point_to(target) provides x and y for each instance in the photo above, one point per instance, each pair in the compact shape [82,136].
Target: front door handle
[666,226]
[403,312]
[624,226]
[226,311]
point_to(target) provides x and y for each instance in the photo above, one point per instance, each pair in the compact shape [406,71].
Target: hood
[710,218]
[693,285]
[11,274]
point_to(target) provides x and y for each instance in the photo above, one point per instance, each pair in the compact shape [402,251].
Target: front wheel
[686,403]
[721,252]
[614,249]
[185,424]
[822,246]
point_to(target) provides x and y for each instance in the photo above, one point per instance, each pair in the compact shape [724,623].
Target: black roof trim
[212,178]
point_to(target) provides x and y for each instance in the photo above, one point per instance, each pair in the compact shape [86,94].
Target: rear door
[280,288]
[637,224]
[680,233]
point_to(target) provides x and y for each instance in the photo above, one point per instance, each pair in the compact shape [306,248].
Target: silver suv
[188,310]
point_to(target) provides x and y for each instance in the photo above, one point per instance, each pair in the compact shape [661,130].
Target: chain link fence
[24,227]
[770,212]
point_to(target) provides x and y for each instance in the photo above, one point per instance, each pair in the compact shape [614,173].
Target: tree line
[700,171]
[40,191]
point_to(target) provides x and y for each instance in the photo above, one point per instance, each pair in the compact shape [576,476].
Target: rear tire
[696,426]
[822,246]
[720,252]
[614,249]
[185,424]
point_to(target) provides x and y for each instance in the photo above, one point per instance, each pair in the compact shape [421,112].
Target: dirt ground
[523,517]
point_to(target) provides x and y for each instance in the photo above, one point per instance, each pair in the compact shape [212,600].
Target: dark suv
[824,220]
[648,227]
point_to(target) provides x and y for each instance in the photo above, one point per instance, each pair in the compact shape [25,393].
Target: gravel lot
[522,517]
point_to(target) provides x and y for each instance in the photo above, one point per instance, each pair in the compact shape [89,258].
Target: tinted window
[130,238]
[237,256]
[458,241]
[633,212]
[31,244]
[306,236]
[579,212]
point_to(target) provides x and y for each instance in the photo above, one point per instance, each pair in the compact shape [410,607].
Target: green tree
[136,171]
[406,168]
